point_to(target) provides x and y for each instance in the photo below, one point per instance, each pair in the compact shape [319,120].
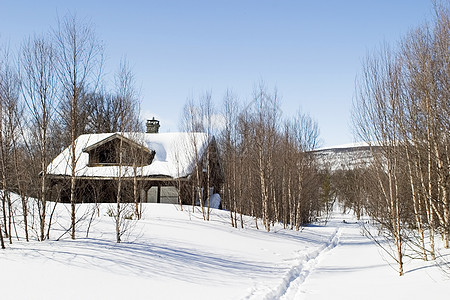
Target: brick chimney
[153,126]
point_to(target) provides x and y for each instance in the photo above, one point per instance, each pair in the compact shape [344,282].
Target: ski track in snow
[294,278]
[293,288]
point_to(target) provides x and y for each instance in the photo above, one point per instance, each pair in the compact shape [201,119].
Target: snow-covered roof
[174,155]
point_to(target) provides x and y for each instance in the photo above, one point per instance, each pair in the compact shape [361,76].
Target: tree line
[268,169]
[402,111]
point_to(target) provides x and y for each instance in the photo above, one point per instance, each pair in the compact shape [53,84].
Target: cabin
[154,167]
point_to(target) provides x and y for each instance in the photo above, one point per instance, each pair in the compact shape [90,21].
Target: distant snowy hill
[344,157]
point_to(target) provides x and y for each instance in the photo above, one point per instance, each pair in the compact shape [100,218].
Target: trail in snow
[351,266]
[296,275]
[292,289]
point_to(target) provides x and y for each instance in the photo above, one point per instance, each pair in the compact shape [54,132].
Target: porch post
[158,196]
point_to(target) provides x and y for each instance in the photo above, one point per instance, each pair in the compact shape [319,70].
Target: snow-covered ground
[173,254]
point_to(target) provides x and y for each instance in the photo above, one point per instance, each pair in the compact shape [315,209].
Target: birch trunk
[264,196]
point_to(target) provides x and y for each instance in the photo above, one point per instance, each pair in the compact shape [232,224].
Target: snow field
[174,254]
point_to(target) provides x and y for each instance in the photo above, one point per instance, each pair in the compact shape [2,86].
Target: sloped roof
[117,136]
[174,155]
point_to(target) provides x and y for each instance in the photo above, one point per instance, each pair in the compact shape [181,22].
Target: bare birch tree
[377,103]
[229,148]
[126,100]
[191,122]
[9,102]
[79,61]
[207,114]
[39,85]
[2,242]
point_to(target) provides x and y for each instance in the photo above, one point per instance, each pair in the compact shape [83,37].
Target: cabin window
[106,156]
[168,194]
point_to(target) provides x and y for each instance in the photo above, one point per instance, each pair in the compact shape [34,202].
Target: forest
[402,111]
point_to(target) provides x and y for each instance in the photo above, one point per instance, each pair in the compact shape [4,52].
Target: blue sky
[311,51]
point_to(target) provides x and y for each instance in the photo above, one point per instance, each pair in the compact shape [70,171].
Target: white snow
[174,157]
[349,146]
[174,254]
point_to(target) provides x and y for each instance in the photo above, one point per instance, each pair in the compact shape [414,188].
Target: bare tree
[19,174]
[79,61]
[127,105]
[378,102]
[229,148]
[3,93]
[306,138]
[207,114]
[265,138]
[191,122]
[9,101]
[39,85]
[2,242]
